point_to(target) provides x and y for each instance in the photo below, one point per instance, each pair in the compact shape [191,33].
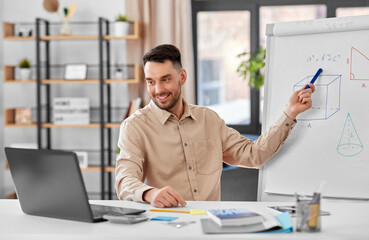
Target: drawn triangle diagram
[350,144]
[359,66]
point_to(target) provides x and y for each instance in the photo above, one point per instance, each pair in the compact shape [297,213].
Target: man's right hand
[164,197]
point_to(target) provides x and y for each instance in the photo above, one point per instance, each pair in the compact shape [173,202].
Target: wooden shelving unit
[88,169]
[8,34]
[9,117]
[10,78]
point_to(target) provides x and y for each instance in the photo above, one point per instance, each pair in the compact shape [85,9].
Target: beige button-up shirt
[158,150]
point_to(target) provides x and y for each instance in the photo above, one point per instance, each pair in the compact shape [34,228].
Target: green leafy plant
[121,18]
[252,66]
[24,63]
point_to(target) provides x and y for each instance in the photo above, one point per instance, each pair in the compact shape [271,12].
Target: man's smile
[163,98]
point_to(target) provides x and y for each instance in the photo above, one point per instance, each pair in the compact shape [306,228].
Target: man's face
[164,84]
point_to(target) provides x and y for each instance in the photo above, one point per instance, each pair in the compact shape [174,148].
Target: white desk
[348,220]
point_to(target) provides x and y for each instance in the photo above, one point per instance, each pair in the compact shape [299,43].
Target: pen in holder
[308,213]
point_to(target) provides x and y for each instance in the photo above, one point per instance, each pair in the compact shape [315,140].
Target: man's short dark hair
[164,52]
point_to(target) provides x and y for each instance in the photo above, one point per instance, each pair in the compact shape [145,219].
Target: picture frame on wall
[75,72]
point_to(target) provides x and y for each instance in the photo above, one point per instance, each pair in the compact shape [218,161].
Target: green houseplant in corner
[121,26]
[252,67]
[24,69]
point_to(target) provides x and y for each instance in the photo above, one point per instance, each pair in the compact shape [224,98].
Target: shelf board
[20,125]
[121,81]
[127,37]
[8,34]
[91,125]
[52,125]
[9,77]
[112,125]
[72,37]
[98,169]
[16,38]
[19,81]
[62,81]
[88,169]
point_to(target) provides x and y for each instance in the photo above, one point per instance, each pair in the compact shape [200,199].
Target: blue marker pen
[315,77]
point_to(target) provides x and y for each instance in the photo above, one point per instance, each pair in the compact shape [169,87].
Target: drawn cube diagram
[326,98]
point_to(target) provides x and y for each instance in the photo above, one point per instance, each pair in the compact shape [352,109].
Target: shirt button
[185,144]
[190,168]
[195,190]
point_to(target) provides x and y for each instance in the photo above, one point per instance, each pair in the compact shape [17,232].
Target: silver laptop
[49,183]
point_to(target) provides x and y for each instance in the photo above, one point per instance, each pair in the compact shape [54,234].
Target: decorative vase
[65,29]
[25,73]
[121,28]
[119,75]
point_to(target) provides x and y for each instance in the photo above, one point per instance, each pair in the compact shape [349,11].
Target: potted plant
[253,67]
[121,25]
[24,69]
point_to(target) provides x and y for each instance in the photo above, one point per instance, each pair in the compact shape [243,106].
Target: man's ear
[183,76]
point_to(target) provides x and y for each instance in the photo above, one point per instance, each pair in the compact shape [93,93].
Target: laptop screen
[49,183]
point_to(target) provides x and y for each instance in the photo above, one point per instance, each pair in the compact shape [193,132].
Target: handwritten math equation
[339,25]
[325,57]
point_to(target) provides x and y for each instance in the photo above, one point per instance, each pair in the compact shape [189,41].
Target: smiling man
[172,151]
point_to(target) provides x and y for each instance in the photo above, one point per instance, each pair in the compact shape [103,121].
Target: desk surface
[348,220]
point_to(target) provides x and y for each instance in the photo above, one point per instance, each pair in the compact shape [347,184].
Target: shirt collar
[164,115]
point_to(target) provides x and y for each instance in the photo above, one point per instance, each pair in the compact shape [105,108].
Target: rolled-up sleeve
[240,151]
[129,174]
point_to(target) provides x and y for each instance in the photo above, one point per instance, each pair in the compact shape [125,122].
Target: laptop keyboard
[99,210]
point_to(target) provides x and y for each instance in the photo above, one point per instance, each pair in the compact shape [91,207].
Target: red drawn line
[352,76]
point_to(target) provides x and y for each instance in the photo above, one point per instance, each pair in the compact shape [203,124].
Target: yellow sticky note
[197,212]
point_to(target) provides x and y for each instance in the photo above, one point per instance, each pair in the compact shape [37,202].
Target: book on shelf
[134,105]
[234,216]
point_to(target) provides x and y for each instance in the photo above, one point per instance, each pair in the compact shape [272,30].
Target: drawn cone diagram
[359,65]
[350,144]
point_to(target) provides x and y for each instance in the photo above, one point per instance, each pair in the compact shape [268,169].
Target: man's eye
[165,79]
[150,82]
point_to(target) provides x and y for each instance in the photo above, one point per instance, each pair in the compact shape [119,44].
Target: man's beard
[172,103]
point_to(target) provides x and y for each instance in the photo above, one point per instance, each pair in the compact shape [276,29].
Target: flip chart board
[331,140]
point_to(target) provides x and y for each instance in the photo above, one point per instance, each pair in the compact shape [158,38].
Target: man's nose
[159,88]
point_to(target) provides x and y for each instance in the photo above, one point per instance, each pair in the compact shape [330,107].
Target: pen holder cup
[308,215]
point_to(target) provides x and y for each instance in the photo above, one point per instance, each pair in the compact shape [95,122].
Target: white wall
[62,52]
